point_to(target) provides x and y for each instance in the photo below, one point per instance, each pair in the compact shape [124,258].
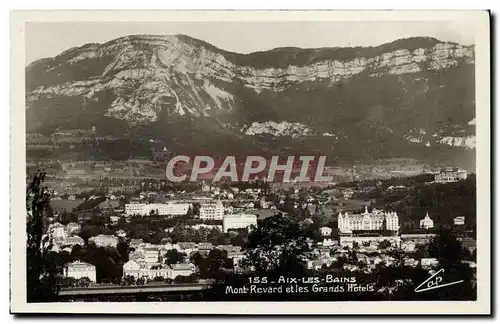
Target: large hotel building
[355,227]
[212,211]
[175,209]
[446,175]
[374,221]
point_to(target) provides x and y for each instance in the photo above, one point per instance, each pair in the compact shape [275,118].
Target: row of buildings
[147,260]
[79,269]
[208,211]
[143,209]
[137,270]
[377,226]
[57,230]
[450,174]
[64,236]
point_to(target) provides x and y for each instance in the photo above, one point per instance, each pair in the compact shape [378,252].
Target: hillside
[409,98]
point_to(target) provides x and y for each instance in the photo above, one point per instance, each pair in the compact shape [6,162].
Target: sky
[48,39]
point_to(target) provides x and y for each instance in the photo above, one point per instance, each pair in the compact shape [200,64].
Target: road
[115,289]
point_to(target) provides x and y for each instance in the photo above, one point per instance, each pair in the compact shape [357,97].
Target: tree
[277,245]
[384,245]
[190,213]
[122,223]
[216,237]
[173,257]
[84,282]
[41,278]
[76,251]
[341,261]
[449,252]
[196,258]
[196,209]
[128,280]
[186,279]
[228,264]
[303,195]
[399,257]
[216,260]
[238,239]
[106,261]
[446,248]
[288,205]
[69,282]
[352,256]
[65,257]
[123,248]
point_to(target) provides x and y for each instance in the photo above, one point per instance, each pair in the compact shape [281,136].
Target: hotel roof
[181,266]
[80,264]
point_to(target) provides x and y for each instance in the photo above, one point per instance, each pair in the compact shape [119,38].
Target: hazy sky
[49,39]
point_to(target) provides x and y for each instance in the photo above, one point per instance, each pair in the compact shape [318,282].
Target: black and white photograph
[234,160]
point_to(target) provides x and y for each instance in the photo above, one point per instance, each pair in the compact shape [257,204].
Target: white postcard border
[477,20]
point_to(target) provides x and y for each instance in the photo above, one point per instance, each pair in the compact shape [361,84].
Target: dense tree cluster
[107,260]
[131,280]
[277,246]
[213,264]
[70,282]
[442,201]
[385,183]
[42,275]
[418,195]
[173,257]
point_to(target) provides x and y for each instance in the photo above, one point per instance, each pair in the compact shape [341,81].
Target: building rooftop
[55,225]
[102,236]
[182,266]
[74,238]
[452,169]
[80,264]
[186,244]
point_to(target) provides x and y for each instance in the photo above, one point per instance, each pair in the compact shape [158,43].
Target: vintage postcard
[259,162]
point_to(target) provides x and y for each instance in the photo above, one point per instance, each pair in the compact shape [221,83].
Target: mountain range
[413,98]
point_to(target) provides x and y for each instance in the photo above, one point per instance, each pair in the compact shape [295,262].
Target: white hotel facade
[138,270]
[175,209]
[212,211]
[237,221]
[368,221]
[79,270]
[374,221]
[104,240]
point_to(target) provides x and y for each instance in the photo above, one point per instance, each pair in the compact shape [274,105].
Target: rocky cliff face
[153,81]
